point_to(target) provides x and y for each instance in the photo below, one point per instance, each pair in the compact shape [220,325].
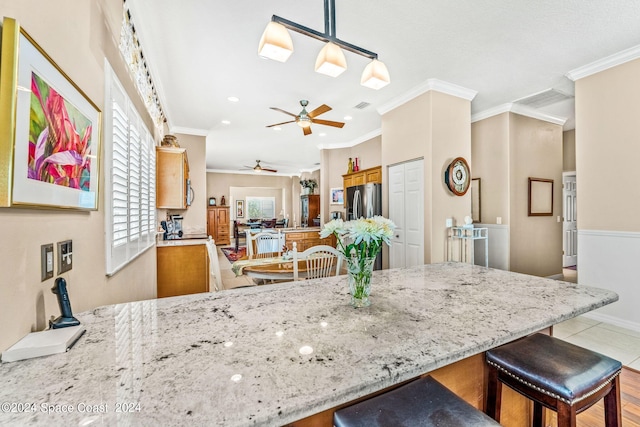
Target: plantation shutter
[130,179]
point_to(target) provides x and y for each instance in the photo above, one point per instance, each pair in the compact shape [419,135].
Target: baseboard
[616,321]
[556,277]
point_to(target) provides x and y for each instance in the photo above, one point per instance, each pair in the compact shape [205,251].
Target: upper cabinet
[363,177]
[172,178]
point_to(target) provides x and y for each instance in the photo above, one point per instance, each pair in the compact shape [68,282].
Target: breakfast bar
[278,355]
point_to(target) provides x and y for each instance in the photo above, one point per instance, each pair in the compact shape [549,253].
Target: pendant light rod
[329,34]
[330,17]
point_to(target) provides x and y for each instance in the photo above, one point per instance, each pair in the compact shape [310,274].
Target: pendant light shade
[275,43]
[375,75]
[331,60]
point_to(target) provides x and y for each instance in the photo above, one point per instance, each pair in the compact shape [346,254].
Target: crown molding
[518,109]
[430,84]
[364,138]
[189,131]
[604,63]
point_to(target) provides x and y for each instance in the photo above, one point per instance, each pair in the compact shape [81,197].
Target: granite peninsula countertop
[271,355]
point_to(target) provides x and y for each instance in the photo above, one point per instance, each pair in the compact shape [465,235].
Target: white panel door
[406,210]
[414,213]
[569,223]
[396,214]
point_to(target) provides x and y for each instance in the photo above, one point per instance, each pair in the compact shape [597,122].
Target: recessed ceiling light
[277,128]
[233,99]
[226,122]
[322,134]
[348,117]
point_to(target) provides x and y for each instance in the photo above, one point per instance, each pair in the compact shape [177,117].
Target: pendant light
[276,44]
[331,61]
[375,75]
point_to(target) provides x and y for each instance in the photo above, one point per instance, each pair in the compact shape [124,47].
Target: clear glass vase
[359,272]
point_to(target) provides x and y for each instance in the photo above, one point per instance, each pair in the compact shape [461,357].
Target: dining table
[270,267]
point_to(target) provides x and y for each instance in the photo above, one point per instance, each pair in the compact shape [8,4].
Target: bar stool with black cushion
[421,403]
[557,375]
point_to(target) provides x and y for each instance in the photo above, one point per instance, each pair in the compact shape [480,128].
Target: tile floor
[613,341]
[229,279]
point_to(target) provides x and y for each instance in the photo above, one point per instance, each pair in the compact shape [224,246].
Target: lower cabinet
[306,239]
[182,270]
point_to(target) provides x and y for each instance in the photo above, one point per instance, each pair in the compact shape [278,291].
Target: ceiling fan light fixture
[275,42]
[375,75]
[331,61]
[304,122]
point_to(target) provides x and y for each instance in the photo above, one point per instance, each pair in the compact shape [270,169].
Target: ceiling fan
[305,119]
[259,168]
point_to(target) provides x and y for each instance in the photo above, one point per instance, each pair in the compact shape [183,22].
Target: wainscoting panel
[611,260]
[498,246]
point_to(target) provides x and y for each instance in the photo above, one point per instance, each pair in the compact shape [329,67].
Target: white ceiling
[201,52]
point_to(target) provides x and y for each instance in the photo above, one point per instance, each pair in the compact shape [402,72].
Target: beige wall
[507,150]
[607,149]
[195,217]
[78,36]
[490,155]
[569,151]
[285,189]
[435,126]
[535,151]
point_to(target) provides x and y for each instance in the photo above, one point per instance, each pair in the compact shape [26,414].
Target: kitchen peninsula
[274,355]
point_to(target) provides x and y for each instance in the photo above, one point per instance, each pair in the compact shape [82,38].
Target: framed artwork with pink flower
[49,130]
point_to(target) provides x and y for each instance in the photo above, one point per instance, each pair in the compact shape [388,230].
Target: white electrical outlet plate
[449,222]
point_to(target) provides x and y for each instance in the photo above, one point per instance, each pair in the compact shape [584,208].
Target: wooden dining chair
[265,244]
[321,260]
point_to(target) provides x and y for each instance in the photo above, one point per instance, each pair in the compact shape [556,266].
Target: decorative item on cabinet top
[170,141]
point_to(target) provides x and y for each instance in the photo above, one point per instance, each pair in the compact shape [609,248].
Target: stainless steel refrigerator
[365,201]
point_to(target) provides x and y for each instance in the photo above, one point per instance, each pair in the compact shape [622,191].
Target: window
[261,207]
[130,179]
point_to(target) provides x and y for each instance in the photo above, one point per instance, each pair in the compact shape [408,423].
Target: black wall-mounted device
[66,319]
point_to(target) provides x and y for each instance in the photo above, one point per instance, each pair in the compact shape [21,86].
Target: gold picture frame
[540,197]
[49,130]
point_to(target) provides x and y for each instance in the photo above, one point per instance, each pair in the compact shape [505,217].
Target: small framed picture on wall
[240,209]
[337,196]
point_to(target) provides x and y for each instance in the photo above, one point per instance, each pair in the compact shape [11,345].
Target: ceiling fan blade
[282,111]
[306,130]
[283,123]
[320,110]
[328,123]
[269,170]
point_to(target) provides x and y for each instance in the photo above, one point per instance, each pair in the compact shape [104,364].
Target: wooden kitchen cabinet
[306,239]
[182,270]
[309,209]
[218,224]
[363,177]
[172,174]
